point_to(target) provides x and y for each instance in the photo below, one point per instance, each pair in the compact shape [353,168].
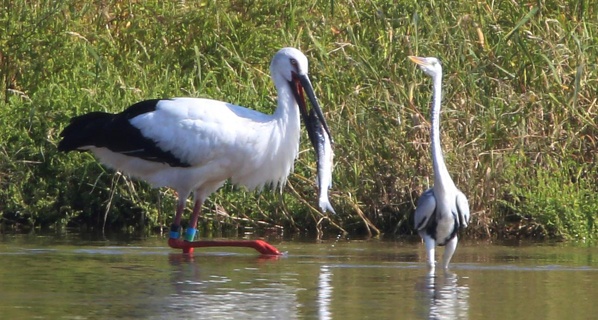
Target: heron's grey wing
[426,204]
[462,209]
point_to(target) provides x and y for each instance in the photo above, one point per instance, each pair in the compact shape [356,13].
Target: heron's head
[430,65]
[291,65]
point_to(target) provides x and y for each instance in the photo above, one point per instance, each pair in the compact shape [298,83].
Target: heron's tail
[84,130]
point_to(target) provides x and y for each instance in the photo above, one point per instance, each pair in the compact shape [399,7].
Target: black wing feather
[116,133]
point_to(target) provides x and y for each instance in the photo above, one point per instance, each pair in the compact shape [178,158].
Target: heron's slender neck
[442,179]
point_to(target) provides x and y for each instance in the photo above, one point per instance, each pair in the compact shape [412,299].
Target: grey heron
[443,209]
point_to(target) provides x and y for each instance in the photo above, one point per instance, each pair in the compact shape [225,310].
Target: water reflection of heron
[443,297]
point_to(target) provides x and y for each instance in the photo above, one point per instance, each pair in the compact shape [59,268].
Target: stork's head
[291,65]
[287,62]
[430,65]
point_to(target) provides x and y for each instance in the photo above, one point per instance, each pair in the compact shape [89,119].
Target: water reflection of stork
[228,287]
[443,297]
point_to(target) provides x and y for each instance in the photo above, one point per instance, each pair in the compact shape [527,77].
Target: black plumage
[116,133]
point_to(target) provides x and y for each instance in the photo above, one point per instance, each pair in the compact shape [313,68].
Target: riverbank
[518,122]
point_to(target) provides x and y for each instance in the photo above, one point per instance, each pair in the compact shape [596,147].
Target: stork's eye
[294,62]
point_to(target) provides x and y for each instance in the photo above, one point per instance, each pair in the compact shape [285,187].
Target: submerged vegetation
[518,125]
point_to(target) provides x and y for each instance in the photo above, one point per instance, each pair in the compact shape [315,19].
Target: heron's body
[443,209]
[194,145]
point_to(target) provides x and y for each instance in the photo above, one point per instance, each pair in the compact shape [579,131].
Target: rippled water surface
[64,278]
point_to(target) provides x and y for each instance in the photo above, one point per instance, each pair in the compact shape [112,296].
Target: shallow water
[66,278]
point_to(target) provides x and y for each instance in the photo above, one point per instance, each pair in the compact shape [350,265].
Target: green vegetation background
[518,126]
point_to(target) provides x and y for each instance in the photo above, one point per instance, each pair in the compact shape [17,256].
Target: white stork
[194,145]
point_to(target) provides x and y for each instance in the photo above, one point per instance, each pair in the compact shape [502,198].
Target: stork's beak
[301,83]
[418,60]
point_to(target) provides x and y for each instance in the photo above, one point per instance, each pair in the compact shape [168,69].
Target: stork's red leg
[188,244]
[192,229]
[175,228]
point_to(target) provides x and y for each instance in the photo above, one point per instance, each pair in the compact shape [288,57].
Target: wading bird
[442,209]
[194,145]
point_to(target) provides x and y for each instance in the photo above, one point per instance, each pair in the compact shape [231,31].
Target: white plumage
[218,140]
[194,145]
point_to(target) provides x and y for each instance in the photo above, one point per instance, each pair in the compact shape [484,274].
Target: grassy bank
[518,125]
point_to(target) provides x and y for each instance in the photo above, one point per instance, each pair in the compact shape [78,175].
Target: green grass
[518,123]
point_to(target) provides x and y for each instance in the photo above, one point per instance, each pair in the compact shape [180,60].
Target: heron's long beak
[300,84]
[418,60]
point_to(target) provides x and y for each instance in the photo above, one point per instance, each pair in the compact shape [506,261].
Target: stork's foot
[180,244]
[265,248]
[173,239]
[259,245]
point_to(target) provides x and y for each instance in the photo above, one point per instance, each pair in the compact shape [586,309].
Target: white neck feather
[276,144]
